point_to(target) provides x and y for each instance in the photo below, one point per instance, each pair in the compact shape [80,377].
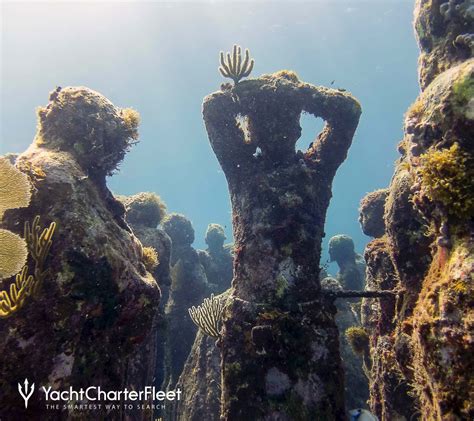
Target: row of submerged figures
[186,276]
[189,276]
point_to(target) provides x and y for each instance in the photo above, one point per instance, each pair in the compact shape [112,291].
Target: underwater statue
[427,253]
[389,391]
[351,265]
[188,287]
[97,304]
[279,343]
[144,212]
[217,260]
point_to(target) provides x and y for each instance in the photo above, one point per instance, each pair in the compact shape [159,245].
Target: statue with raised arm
[279,341]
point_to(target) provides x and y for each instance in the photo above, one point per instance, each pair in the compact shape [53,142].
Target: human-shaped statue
[188,288]
[351,265]
[217,259]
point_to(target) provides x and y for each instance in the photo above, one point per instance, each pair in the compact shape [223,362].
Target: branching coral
[233,67]
[39,243]
[447,177]
[208,315]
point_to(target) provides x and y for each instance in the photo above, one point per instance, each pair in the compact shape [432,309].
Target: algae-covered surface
[237,211]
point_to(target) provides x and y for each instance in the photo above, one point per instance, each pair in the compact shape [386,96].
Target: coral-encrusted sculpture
[351,265]
[217,260]
[422,343]
[188,288]
[97,305]
[144,211]
[280,343]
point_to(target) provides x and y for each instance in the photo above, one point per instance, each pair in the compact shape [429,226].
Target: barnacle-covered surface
[280,343]
[97,304]
[425,353]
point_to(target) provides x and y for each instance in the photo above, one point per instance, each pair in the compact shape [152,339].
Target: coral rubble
[280,356]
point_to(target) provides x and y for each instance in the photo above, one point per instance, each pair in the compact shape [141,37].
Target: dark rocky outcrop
[280,356]
[98,303]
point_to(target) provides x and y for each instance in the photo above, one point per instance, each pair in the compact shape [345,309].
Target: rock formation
[217,260]
[98,302]
[188,288]
[427,254]
[280,356]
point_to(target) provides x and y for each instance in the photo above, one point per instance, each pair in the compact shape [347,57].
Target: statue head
[86,124]
[215,237]
[341,249]
[179,228]
[371,213]
[147,209]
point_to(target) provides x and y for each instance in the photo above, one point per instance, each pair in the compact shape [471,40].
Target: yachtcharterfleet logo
[26,392]
[92,397]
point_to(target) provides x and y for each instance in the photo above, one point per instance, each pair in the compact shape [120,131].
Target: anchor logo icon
[26,394]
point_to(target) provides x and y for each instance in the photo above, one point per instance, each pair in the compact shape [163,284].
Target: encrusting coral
[288,365]
[447,177]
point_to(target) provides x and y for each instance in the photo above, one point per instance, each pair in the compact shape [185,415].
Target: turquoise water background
[161,58]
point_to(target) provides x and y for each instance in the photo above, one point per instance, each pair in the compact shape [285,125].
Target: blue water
[161,58]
